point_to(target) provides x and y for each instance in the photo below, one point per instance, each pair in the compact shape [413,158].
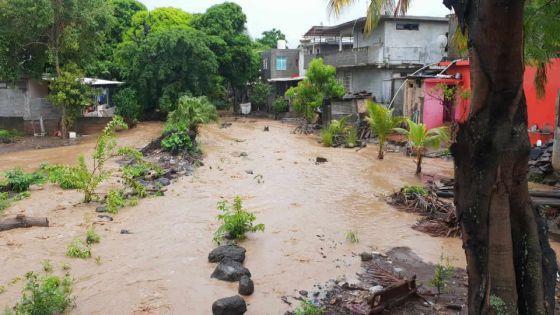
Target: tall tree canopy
[270,38]
[162,57]
[40,36]
[239,63]
[511,267]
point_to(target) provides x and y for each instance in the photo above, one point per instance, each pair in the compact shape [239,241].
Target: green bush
[67,177]
[6,200]
[44,295]
[7,136]
[351,137]
[128,106]
[92,237]
[177,142]
[19,181]
[190,113]
[442,273]
[77,249]
[327,137]
[236,221]
[260,93]
[280,105]
[415,190]
[115,201]
[308,308]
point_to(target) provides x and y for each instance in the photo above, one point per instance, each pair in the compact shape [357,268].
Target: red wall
[541,112]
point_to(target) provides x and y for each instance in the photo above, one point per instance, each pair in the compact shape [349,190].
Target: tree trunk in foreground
[21,221]
[511,267]
[381,153]
[419,156]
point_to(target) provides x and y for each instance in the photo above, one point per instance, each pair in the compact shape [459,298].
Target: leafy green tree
[320,84]
[422,138]
[144,23]
[128,106]
[70,94]
[167,64]
[238,61]
[382,123]
[191,112]
[270,38]
[39,35]
[260,93]
[104,64]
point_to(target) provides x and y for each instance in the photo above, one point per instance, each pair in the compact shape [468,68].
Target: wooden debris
[21,221]
[393,296]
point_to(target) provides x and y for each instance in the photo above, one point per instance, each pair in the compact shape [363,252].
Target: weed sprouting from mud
[308,308]
[352,236]
[92,237]
[77,249]
[236,221]
[442,272]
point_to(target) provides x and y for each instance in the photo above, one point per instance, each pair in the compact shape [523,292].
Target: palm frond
[401,7]
[541,78]
[335,7]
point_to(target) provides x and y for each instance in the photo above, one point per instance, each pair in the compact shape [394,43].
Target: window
[408,26]
[265,64]
[281,63]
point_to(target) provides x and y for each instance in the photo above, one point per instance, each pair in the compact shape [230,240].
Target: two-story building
[379,62]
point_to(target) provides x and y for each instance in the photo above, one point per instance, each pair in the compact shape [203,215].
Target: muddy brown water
[162,267]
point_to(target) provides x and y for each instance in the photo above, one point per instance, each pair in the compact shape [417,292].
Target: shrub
[7,136]
[177,142]
[44,295]
[236,221]
[415,190]
[327,137]
[260,93]
[47,266]
[67,177]
[128,106]
[308,308]
[115,201]
[18,181]
[280,105]
[352,236]
[77,249]
[92,237]
[442,273]
[351,137]
[190,113]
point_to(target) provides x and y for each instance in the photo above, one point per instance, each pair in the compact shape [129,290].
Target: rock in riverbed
[230,270]
[234,305]
[233,252]
[246,286]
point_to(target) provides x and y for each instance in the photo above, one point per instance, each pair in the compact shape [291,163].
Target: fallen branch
[22,222]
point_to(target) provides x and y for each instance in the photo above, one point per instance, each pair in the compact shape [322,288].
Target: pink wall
[433,109]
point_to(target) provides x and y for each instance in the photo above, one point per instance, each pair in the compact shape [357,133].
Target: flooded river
[162,267]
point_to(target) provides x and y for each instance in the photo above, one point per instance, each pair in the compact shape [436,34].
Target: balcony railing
[374,55]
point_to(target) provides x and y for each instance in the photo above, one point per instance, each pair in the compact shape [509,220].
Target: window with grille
[408,26]
[281,63]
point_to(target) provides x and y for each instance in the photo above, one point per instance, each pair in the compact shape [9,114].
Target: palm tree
[382,123]
[422,138]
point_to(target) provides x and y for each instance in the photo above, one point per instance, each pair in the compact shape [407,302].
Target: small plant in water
[44,295]
[98,260]
[77,249]
[115,201]
[236,221]
[308,308]
[352,236]
[442,273]
[92,237]
[47,266]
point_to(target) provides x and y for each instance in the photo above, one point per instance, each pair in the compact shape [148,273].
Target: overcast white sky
[293,17]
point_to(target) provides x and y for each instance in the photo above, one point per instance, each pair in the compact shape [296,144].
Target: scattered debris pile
[439,217]
[174,165]
[540,165]
[389,285]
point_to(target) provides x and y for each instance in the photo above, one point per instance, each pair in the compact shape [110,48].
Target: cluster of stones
[230,268]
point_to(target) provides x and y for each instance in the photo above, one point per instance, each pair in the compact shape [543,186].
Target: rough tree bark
[511,267]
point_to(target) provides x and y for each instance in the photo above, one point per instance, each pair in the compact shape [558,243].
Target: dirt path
[162,267]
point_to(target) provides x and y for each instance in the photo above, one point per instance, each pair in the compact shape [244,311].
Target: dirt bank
[162,267]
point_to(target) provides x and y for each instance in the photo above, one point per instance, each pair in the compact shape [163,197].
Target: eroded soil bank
[162,268]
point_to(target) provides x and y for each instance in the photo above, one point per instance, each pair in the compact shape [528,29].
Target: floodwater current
[162,267]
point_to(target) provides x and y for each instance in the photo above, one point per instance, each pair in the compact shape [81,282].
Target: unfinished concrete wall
[13,99]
